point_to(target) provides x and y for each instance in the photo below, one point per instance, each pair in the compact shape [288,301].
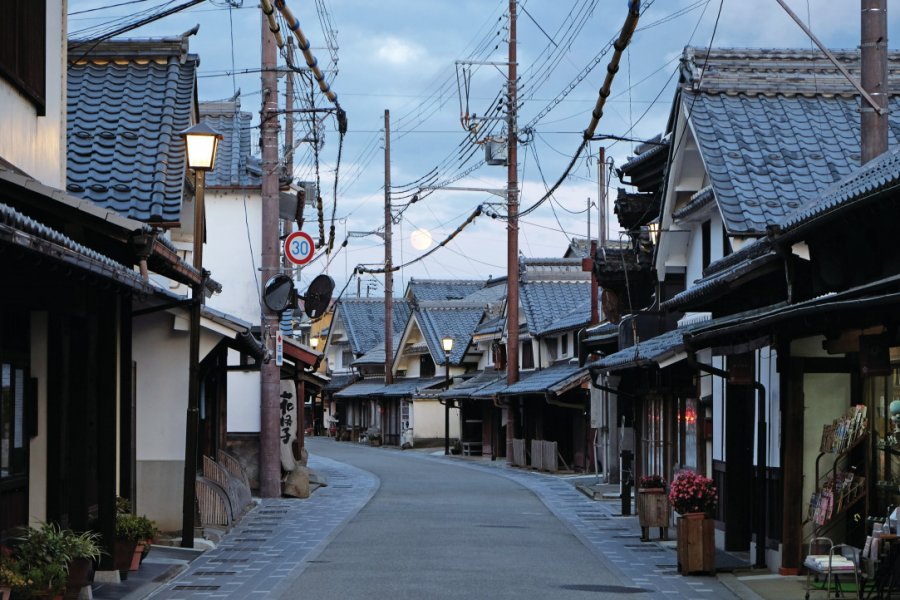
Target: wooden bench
[469,447]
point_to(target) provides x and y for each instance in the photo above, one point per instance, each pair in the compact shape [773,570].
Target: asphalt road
[437,530]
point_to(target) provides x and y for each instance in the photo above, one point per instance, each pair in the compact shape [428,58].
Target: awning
[662,350]
[556,379]
[467,387]
[366,387]
[410,386]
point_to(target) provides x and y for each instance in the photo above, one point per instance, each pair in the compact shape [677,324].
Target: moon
[420,239]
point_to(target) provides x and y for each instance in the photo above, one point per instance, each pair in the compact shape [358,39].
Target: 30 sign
[299,248]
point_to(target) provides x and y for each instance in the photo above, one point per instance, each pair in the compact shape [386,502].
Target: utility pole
[601,199]
[874,79]
[269,455]
[289,147]
[388,264]
[512,238]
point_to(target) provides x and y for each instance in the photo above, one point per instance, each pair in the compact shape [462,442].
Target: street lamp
[447,345]
[201,142]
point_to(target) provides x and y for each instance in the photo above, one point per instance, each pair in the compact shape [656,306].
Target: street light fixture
[314,342]
[201,142]
[447,345]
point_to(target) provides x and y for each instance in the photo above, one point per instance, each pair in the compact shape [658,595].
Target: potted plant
[84,551]
[10,577]
[132,532]
[653,506]
[694,497]
[42,556]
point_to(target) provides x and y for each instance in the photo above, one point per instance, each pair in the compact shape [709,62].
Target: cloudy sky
[401,56]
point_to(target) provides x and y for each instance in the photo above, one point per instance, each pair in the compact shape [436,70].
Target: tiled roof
[234,151]
[556,379]
[364,387]
[339,382]
[643,153]
[719,280]
[574,319]
[490,326]
[410,386]
[467,387]
[604,332]
[875,176]
[491,293]
[579,247]
[364,321]
[546,302]
[456,320]
[127,101]
[698,202]
[773,71]
[774,127]
[19,229]
[551,269]
[428,290]
[648,352]
[375,356]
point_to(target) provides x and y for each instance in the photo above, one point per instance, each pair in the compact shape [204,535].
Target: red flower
[691,493]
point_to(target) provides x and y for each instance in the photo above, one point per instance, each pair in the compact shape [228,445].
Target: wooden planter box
[696,544]
[653,511]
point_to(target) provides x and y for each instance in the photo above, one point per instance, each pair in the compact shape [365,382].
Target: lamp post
[201,142]
[447,345]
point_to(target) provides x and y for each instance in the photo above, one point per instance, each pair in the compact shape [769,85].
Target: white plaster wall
[37,459]
[162,357]
[32,143]
[428,420]
[232,258]
[243,401]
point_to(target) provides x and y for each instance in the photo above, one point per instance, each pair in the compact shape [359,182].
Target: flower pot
[123,553]
[80,571]
[653,511]
[696,544]
[136,556]
[146,551]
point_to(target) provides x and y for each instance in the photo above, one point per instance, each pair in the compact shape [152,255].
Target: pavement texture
[285,546]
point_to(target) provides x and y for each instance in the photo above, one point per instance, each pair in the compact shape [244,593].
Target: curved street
[413,524]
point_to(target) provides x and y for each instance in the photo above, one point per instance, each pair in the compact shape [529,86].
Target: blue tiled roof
[410,386]
[647,352]
[364,321]
[234,151]
[546,302]
[645,151]
[724,271]
[467,387]
[24,230]
[875,176]
[452,319]
[339,382]
[698,201]
[364,387]
[429,290]
[767,156]
[555,379]
[604,332]
[775,127]
[127,101]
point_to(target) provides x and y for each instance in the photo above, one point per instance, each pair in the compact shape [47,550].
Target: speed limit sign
[299,248]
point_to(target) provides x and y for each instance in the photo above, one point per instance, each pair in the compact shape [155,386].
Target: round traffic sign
[299,248]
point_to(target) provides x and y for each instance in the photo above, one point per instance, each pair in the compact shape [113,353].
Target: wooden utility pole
[286,224]
[388,264]
[512,237]
[874,79]
[601,199]
[269,451]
